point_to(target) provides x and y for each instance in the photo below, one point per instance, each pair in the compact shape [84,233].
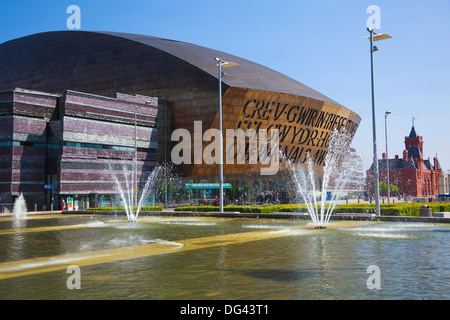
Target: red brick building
[412,174]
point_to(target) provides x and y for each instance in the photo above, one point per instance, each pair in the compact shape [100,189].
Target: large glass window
[9,143]
[153,145]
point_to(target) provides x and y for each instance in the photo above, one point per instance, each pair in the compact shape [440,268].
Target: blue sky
[319,43]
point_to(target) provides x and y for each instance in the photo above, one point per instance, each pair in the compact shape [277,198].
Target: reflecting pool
[221,258]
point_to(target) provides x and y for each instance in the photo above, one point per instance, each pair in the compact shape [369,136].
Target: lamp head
[381,36]
[378,36]
[226,64]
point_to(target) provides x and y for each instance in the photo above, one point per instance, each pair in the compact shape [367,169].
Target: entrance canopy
[206,185]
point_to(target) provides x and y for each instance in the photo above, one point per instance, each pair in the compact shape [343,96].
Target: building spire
[413,133]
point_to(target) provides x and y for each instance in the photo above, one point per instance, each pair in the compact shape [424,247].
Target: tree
[392,188]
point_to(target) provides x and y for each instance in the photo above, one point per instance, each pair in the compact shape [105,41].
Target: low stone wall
[32,213]
[279,215]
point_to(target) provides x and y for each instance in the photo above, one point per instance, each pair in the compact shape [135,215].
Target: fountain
[20,207]
[311,188]
[335,263]
[128,193]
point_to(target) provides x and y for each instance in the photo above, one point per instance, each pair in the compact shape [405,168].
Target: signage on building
[69,204]
[206,185]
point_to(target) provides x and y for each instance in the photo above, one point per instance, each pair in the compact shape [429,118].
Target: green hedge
[246,209]
[398,209]
[143,209]
[394,209]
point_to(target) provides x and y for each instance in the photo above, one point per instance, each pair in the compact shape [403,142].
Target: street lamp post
[387,155]
[165,156]
[221,64]
[375,37]
[135,157]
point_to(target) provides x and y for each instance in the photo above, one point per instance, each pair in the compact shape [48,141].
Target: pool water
[221,258]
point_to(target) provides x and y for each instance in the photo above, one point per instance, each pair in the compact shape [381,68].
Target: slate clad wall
[23,127]
[76,139]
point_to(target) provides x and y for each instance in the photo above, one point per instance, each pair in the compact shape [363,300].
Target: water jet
[20,207]
[314,186]
[129,195]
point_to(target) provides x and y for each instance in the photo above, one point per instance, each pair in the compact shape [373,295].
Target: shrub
[389,209]
[226,208]
[143,209]
[394,209]
[355,208]
[247,209]
[151,208]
